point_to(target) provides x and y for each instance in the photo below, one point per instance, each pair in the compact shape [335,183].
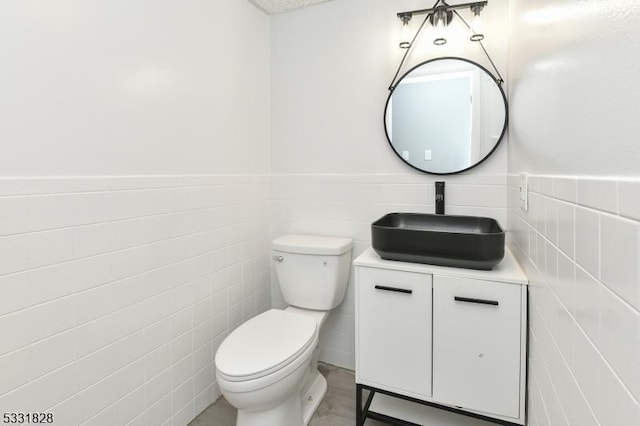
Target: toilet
[267,367]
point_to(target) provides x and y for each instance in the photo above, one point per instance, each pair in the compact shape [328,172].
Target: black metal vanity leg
[359,420]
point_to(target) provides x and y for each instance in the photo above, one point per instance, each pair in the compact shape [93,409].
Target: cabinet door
[476,344]
[393,330]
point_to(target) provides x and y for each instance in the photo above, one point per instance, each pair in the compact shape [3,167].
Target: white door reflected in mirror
[444,114]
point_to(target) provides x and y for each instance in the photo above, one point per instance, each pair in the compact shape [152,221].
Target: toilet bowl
[262,369]
[267,367]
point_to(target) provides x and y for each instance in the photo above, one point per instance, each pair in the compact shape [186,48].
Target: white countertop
[507,271]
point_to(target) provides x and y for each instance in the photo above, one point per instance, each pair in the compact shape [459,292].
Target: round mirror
[445,116]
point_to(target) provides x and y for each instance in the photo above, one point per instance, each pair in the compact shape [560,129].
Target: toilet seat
[264,344]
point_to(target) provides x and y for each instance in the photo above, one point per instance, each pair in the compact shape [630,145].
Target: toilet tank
[313,271]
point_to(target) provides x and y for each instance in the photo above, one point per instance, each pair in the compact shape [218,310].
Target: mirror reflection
[445,116]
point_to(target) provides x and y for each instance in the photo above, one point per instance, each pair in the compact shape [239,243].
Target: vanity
[436,340]
[441,304]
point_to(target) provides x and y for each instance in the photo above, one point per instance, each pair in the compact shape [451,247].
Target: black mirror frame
[504,128]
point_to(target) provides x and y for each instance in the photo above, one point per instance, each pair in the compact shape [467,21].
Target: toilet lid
[264,344]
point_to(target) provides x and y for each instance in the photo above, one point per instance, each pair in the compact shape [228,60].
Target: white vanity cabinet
[476,344]
[445,337]
[401,343]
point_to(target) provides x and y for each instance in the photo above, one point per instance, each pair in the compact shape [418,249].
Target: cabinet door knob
[393,289]
[479,301]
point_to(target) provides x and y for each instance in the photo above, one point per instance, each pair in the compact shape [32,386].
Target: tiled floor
[337,409]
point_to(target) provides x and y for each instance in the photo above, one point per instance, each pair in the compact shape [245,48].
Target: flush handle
[279,259]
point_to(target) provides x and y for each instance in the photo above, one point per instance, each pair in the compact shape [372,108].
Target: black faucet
[439,197]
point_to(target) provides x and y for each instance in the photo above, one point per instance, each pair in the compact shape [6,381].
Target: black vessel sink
[458,241]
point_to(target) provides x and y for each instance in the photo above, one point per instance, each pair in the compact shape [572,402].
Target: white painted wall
[573,87]
[116,290]
[113,88]
[574,128]
[333,172]
[331,67]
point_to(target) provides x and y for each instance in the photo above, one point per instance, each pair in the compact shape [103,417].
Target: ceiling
[274,7]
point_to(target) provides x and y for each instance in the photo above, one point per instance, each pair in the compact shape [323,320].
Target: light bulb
[476,25]
[440,21]
[405,36]
[405,32]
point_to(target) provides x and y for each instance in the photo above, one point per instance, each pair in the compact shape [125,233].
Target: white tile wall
[584,361]
[118,298]
[116,292]
[346,204]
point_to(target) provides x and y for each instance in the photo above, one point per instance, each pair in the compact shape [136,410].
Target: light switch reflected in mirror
[446,115]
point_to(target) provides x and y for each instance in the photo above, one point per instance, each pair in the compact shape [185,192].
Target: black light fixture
[440,16]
